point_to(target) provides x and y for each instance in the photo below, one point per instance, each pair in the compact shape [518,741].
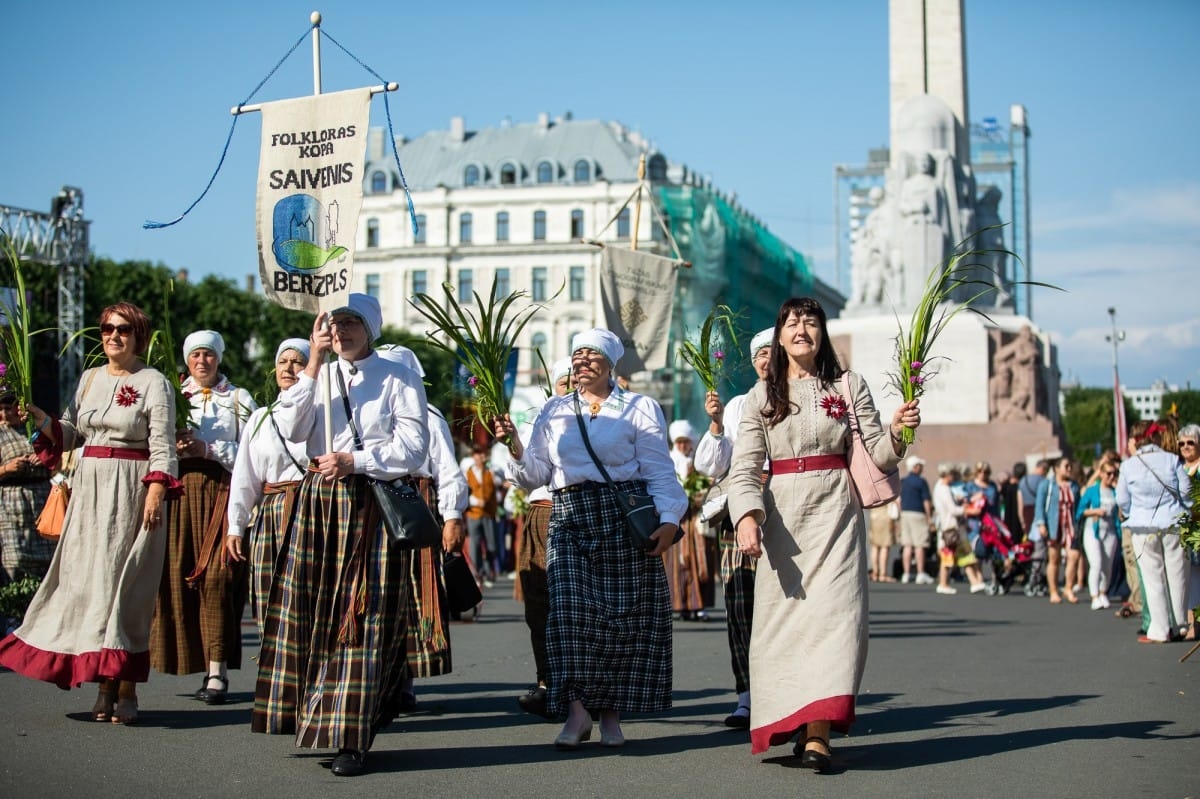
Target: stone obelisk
[927,55]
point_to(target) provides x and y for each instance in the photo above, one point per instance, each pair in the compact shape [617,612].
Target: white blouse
[388,404]
[714,454]
[629,437]
[442,467]
[218,415]
[262,457]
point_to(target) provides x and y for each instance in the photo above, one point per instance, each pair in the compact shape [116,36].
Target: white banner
[309,193]
[637,293]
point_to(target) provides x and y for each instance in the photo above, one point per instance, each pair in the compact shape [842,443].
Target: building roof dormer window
[471,175]
[545,172]
[583,171]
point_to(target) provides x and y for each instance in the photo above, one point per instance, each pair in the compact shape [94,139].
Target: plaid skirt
[608,637]
[333,654]
[428,613]
[23,552]
[274,512]
[201,623]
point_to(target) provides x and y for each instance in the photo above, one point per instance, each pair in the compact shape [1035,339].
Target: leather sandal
[105,697]
[126,710]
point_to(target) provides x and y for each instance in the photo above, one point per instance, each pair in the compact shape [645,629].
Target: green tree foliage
[1186,404]
[1088,421]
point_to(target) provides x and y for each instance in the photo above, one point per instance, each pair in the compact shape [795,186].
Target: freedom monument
[993,380]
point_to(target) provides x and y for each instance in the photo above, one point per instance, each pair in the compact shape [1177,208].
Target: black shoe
[202,691]
[534,701]
[810,758]
[214,696]
[737,721]
[348,763]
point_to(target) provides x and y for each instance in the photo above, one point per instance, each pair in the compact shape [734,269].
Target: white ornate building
[514,202]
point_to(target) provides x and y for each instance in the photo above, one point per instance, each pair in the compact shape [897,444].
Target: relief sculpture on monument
[1013,387]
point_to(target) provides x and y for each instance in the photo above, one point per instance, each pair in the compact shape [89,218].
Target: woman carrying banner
[333,657]
[198,618]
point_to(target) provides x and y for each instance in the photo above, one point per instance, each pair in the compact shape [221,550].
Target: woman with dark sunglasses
[1189,450]
[90,619]
[1099,526]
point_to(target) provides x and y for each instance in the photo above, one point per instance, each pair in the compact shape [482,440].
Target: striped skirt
[334,644]
[686,563]
[608,636]
[199,623]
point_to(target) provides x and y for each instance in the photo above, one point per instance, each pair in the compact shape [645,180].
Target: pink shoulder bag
[873,486]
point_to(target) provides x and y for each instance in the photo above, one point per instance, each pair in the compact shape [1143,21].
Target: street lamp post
[1116,337]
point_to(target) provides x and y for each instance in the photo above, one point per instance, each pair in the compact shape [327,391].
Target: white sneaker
[907,578]
[946,589]
[978,588]
[1096,603]
[1103,601]
[924,579]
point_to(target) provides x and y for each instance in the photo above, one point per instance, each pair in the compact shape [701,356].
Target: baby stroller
[995,545]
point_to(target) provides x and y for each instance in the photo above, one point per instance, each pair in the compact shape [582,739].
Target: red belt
[124,453]
[813,463]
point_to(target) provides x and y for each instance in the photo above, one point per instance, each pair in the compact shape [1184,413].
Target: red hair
[134,316]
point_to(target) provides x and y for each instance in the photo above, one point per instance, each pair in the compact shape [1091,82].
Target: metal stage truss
[59,239]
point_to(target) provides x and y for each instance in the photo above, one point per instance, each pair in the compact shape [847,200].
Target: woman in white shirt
[198,616]
[266,474]
[1152,492]
[608,636]
[333,657]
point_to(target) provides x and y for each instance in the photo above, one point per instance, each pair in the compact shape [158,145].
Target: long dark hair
[828,369]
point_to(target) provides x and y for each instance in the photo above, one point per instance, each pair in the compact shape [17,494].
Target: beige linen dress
[808,645]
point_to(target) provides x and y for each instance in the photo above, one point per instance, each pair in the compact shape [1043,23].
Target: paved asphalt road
[964,696]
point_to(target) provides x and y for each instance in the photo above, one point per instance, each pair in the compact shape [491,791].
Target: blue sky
[130,101]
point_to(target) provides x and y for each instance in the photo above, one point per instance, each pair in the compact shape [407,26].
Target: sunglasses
[1187,443]
[108,328]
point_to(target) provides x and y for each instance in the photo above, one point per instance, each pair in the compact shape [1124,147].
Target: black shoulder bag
[406,515]
[641,517]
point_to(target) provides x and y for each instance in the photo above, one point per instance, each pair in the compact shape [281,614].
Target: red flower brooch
[834,405]
[127,395]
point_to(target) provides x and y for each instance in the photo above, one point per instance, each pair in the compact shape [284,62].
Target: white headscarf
[761,339]
[403,356]
[204,340]
[600,340]
[681,428]
[300,345]
[366,308]
[560,369]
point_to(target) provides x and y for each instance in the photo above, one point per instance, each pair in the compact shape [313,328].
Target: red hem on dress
[66,671]
[837,710]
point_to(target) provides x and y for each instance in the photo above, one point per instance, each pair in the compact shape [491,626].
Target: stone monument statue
[924,232]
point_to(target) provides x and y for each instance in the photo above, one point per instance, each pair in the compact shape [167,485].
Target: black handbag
[641,517]
[462,592]
[405,513]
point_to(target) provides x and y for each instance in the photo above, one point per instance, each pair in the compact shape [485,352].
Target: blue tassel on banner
[148,225]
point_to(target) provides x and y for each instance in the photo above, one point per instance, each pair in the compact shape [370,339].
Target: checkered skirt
[334,643]
[608,637]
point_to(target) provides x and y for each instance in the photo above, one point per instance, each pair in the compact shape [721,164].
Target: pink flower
[472,381]
[916,366]
[719,355]
[3,369]
[916,380]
